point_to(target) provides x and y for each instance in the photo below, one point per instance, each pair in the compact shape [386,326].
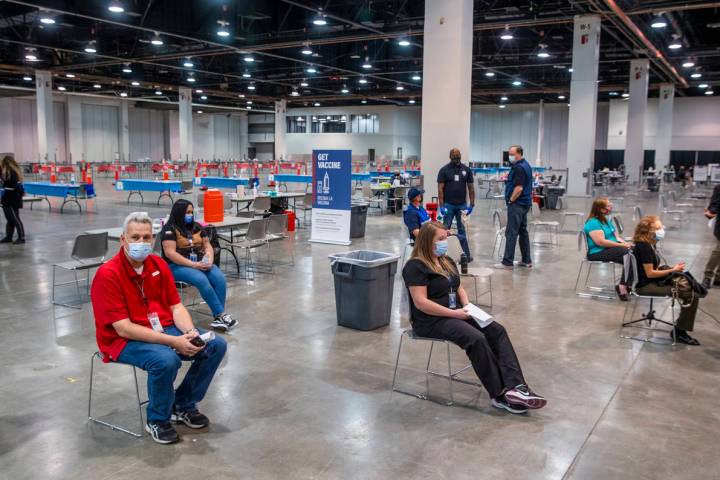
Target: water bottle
[72,179]
[205,259]
[463,264]
[193,257]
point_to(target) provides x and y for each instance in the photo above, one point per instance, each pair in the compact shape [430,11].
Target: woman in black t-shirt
[187,250]
[653,281]
[11,181]
[436,305]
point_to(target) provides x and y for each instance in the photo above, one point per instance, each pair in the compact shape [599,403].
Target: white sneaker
[502,266]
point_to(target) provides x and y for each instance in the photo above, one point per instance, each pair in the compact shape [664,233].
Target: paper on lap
[480,316]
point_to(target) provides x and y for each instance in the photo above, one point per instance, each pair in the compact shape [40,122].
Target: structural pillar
[125,131]
[280,130]
[74,127]
[446,91]
[663,141]
[583,103]
[185,129]
[541,133]
[634,148]
[45,116]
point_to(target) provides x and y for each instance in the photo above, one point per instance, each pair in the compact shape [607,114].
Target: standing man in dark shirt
[713,264]
[518,196]
[455,185]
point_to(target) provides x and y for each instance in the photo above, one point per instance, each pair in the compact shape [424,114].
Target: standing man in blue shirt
[455,185]
[518,196]
[415,215]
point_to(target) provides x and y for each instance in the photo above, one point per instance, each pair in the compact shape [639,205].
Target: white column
[185,117]
[583,102]
[541,133]
[447,74]
[663,139]
[125,131]
[75,133]
[634,149]
[280,129]
[45,117]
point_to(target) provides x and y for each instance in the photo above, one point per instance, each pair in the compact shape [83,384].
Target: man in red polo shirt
[140,320]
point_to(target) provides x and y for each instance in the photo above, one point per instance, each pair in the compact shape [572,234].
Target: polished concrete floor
[299,397]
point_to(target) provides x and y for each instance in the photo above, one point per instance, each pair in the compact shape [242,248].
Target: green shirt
[594,224]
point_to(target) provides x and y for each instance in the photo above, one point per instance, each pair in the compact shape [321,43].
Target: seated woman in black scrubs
[436,307]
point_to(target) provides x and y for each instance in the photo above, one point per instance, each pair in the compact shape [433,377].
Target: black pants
[12,215]
[489,349]
[612,254]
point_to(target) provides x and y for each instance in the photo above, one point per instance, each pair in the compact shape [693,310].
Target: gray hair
[136,217]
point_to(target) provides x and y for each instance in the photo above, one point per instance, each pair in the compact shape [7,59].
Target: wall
[18,128]
[219,135]
[493,130]
[147,134]
[696,124]
[399,127]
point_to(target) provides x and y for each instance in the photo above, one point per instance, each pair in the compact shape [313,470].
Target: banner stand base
[331,242]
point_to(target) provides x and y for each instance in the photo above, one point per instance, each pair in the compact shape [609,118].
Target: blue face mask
[189,218]
[441,247]
[139,251]
[659,234]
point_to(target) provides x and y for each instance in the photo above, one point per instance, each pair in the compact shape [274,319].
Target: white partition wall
[493,130]
[147,134]
[101,132]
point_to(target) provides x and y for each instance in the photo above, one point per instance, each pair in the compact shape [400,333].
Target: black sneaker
[162,432]
[502,403]
[6,240]
[192,419]
[707,283]
[522,395]
[683,336]
[19,241]
[219,324]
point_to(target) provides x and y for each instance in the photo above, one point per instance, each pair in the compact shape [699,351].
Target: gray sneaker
[502,266]
[526,265]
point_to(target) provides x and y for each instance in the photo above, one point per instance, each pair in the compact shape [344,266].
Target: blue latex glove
[469,210]
[444,210]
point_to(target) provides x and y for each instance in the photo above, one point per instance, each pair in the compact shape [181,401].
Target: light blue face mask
[189,218]
[659,234]
[139,251]
[441,247]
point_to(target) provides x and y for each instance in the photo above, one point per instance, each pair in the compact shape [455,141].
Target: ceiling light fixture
[362,80]
[506,34]
[27,78]
[316,104]
[502,106]
[490,74]
[31,57]
[311,70]
[543,52]
[248,107]
[411,101]
[191,79]
[61,88]
[561,97]
[204,97]
[249,58]
[517,83]
[97,85]
[249,102]
[70,75]
[295,93]
[344,90]
[158,92]
[367,65]
[188,64]
[613,94]
[251,86]
[709,92]
[304,83]
[123,94]
[246,75]
[319,20]
[363,101]
[404,42]
[127,69]
[156,40]
[416,77]
[116,7]
[674,45]
[503,99]
[135,84]
[658,22]
[47,19]
[703,85]
[306,50]
[241,95]
[570,70]
[223,31]
[198,91]
[91,48]
[696,75]
[399,88]
[625,95]
[688,64]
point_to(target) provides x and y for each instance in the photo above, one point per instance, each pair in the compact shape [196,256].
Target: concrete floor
[299,397]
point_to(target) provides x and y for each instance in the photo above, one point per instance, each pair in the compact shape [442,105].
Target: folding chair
[278,230]
[137,396]
[552,227]
[255,237]
[372,200]
[88,252]
[454,252]
[305,205]
[593,291]
[451,376]
[261,205]
[631,269]
[499,224]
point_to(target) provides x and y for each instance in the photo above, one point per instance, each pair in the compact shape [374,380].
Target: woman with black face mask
[187,250]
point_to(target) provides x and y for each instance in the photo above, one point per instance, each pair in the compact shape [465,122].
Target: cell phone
[198,341]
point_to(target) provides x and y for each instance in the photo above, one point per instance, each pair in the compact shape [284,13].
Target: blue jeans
[453,212]
[517,226]
[211,284]
[162,364]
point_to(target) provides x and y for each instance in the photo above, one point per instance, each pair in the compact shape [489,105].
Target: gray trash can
[364,282]
[358,218]
[552,196]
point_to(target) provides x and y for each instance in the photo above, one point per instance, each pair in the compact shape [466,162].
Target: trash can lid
[364,258]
